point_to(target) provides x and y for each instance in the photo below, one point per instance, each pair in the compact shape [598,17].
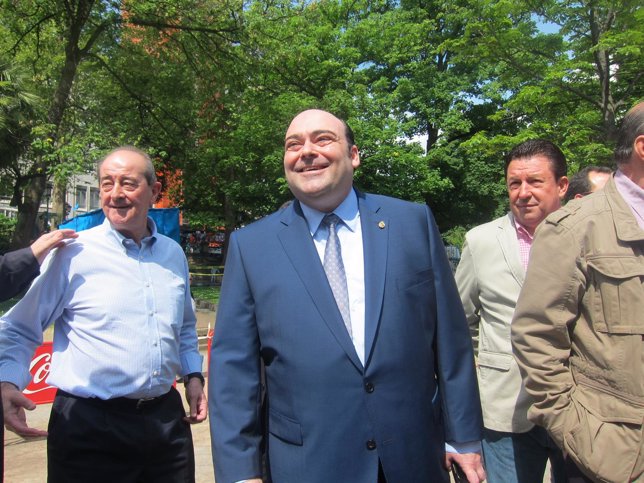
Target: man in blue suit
[369,378]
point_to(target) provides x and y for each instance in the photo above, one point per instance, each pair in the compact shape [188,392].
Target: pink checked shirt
[525,242]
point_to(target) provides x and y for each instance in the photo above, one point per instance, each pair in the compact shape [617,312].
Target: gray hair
[149,173]
[632,127]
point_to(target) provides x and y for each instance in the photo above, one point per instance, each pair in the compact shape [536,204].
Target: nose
[308,148]
[117,191]
[525,191]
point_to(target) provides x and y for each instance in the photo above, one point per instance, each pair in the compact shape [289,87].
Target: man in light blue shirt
[125,329]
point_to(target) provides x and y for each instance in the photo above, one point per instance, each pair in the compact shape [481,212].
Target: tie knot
[331,219]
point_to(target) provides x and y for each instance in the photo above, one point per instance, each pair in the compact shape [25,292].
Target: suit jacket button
[369,387]
[371,445]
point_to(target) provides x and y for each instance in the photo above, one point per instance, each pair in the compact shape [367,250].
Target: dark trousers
[97,441]
[574,473]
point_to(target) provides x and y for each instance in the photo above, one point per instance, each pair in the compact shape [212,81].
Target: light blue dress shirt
[350,235]
[125,326]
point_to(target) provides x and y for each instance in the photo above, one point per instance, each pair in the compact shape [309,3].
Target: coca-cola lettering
[39,367]
[38,390]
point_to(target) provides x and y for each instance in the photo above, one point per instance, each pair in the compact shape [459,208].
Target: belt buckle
[143,401]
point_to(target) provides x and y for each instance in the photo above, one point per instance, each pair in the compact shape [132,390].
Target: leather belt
[121,403]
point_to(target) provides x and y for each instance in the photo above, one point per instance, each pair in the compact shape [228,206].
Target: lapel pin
[381,225]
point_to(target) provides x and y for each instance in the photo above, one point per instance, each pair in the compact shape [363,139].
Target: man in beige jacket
[578,331]
[489,279]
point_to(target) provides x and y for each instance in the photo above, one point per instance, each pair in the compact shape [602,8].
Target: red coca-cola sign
[38,390]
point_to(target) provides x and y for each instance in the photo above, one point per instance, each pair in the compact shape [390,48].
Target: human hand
[47,242]
[470,463]
[14,404]
[197,401]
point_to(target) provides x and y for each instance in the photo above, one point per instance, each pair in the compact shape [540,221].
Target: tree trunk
[78,15]
[26,228]
[57,214]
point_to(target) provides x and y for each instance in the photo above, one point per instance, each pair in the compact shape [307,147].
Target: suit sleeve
[234,373]
[540,338]
[17,269]
[468,289]
[461,406]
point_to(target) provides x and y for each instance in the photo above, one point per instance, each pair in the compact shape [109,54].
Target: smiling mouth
[310,168]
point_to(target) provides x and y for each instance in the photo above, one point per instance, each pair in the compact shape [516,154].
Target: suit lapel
[375,238]
[507,238]
[300,249]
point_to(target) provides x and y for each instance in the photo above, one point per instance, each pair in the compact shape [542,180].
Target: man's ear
[156,189]
[563,186]
[355,157]
[638,147]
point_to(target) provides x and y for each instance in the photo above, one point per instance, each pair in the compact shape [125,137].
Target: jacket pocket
[285,428]
[495,360]
[616,293]
[606,447]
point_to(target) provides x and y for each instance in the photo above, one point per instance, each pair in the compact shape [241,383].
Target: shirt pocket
[616,291]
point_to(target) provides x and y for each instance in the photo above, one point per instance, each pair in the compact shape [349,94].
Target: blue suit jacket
[328,418]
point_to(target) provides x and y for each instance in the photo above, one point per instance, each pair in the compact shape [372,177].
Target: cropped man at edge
[489,278]
[125,329]
[579,338]
[19,267]
[347,300]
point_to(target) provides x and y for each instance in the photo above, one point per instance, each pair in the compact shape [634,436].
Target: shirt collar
[347,211]
[521,230]
[124,241]
[632,193]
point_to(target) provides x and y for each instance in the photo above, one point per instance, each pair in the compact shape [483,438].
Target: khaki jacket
[578,334]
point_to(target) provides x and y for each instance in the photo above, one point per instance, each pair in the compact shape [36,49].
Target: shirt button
[155,373]
[369,387]
[371,445]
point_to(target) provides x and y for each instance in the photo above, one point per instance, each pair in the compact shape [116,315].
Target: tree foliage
[437,91]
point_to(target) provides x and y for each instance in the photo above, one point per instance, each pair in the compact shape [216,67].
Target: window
[94,199]
[81,198]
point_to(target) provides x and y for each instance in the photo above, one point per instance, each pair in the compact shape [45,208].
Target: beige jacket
[578,334]
[489,278]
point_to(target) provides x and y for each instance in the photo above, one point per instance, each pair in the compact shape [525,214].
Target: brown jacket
[578,334]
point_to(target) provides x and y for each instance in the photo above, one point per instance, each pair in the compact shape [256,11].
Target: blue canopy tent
[167,220]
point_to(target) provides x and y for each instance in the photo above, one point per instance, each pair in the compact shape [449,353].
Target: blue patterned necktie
[334,269]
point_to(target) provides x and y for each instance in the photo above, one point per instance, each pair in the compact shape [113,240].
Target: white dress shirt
[350,235]
[124,319]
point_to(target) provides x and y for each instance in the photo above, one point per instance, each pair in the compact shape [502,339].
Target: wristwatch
[198,375]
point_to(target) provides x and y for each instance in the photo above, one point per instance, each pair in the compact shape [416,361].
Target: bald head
[586,181]
[631,129]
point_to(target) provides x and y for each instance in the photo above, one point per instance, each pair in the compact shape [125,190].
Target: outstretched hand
[14,404]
